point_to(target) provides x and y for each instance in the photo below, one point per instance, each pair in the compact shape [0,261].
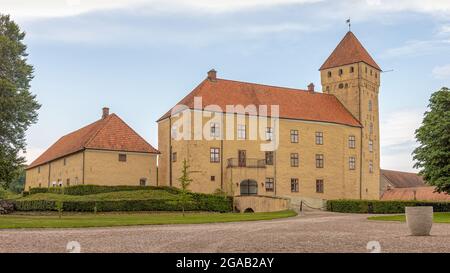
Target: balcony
[246,163]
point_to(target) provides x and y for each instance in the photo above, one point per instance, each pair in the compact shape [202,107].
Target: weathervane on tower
[349,24]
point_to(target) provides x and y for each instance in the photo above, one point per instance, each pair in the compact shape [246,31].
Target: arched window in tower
[341,72]
[341,85]
[370,105]
[352,69]
[329,74]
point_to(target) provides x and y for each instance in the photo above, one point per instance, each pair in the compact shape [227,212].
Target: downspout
[49,170]
[84,164]
[170,151]
[362,134]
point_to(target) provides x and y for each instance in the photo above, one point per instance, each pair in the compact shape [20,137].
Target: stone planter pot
[419,220]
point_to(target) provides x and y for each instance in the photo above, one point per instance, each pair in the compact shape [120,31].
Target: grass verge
[439,217]
[82,220]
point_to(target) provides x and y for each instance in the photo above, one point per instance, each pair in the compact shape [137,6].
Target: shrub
[95,189]
[382,207]
[199,202]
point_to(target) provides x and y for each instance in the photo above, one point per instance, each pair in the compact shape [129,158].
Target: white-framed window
[215,129]
[294,184]
[352,163]
[54,184]
[241,131]
[269,133]
[370,145]
[214,155]
[294,136]
[269,184]
[370,166]
[352,142]
[319,138]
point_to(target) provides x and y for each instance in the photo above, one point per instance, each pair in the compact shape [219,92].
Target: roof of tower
[349,51]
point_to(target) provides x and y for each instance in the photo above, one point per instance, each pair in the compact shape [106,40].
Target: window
[53,184]
[174,157]
[213,178]
[294,136]
[366,69]
[341,72]
[327,89]
[40,185]
[376,75]
[371,128]
[269,133]
[370,72]
[143,182]
[269,184]
[39,169]
[319,185]
[352,163]
[319,138]
[319,161]
[341,86]
[215,129]
[352,69]
[351,142]
[68,182]
[346,85]
[214,155]
[329,74]
[370,145]
[269,158]
[242,158]
[370,166]
[64,161]
[60,183]
[294,160]
[294,184]
[370,105]
[241,131]
[249,187]
[122,157]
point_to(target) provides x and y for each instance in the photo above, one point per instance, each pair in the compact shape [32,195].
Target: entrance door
[249,187]
[242,158]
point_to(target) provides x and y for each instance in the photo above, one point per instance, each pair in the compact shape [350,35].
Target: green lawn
[439,217]
[72,220]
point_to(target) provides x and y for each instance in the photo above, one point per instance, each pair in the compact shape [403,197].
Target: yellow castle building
[253,139]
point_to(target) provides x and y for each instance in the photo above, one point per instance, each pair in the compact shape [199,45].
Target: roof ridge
[266,85]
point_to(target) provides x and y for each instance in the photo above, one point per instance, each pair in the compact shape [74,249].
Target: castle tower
[353,77]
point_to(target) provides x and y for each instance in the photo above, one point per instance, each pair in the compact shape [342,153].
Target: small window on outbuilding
[122,158]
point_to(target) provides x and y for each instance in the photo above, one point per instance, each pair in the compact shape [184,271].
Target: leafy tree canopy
[18,106]
[433,155]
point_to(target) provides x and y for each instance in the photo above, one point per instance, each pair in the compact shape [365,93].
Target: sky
[140,57]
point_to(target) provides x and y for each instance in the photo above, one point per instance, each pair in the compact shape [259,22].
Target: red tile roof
[349,51]
[293,103]
[110,133]
[403,179]
[421,193]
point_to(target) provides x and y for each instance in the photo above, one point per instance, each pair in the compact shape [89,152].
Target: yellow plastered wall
[104,168]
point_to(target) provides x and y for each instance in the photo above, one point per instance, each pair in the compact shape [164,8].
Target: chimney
[212,75]
[311,87]
[105,112]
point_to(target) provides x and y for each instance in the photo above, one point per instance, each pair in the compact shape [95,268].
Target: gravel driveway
[311,232]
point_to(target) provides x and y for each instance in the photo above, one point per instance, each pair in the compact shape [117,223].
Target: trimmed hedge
[382,207]
[96,189]
[199,202]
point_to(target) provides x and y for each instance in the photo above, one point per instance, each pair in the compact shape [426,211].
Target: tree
[185,181]
[18,106]
[433,154]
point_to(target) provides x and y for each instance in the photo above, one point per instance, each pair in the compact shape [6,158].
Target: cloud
[442,72]
[30,9]
[418,48]
[398,139]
